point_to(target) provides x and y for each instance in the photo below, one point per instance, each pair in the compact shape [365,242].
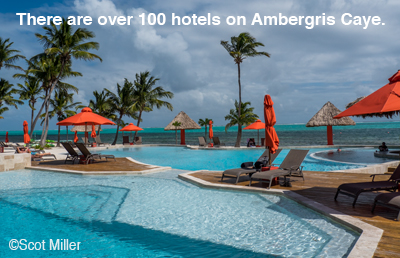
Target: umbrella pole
[86,139]
[258,136]
[131,136]
[67,133]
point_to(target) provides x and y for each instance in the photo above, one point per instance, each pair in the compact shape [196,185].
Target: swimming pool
[222,159]
[159,215]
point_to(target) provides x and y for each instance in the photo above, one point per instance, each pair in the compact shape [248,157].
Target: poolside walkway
[321,187]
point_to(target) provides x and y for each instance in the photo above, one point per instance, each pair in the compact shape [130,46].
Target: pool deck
[321,187]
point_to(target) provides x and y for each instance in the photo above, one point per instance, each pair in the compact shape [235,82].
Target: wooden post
[329,134]
[183,137]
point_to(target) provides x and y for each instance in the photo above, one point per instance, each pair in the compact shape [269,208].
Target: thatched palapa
[81,128]
[324,117]
[186,124]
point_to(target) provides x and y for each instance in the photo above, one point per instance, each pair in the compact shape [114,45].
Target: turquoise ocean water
[289,135]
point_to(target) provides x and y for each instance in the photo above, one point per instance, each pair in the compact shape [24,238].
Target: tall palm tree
[61,104]
[101,106]
[30,91]
[6,98]
[147,95]
[205,123]
[122,103]
[240,48]
[246,116]
[46,70]
[7,55]
[65,44]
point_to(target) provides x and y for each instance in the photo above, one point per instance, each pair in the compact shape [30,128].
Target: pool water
[222,159]
[158,215]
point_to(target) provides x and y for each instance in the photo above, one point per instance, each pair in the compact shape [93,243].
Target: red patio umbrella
[210,132]
[86,117]
[257,125]
[271,138]
[6,136]
[383,102]
[131,128]
[27,139]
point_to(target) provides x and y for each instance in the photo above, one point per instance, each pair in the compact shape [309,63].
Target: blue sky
[307,68]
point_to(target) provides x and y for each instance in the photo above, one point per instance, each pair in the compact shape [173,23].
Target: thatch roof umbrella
[354,102]
[81,128]
[324,117]
[186,124]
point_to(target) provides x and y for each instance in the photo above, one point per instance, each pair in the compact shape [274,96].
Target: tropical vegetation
[243,116]
[240,48]
[6,98]
[9,56]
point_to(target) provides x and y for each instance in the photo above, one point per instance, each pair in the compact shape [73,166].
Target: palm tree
[64,44]
[61,104]
[204,123]
[246,116]
[146,96]
[30,91]
[6,98]
[7,57]
[122,103]
[240,48]
[101,106]
[46,70]
[176,124]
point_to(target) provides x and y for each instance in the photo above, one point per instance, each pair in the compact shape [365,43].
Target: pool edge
[366,244]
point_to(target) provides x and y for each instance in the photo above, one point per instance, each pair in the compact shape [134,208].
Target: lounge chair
[202,141]
[72,154]
[217,143]
[85,140]
[91,156]
[249,168]
[355,189]
[98,140]
[138,140]
[290,166]
[125,140]
[389,200]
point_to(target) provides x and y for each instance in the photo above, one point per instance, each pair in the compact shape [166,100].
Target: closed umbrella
[6,136]
[76,139]
[210,132]
[27,139]
[271,138]
[257,125]
[93,132]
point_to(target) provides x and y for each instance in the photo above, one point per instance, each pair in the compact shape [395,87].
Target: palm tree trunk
[32,115]
[58,140]
[46,125]
[36,119]
[138,122]
[116,134]
[98,130]
[205,134]
[239,134]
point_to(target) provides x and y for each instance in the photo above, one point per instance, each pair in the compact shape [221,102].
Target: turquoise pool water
[158,215]
[222,159]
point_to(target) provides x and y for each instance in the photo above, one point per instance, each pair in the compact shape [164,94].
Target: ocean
[370,133]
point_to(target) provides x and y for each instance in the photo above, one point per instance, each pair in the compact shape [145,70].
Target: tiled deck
[321,187]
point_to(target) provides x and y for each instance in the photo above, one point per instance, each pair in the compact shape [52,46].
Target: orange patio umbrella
[131,128]
[6,136]
[271,138]
[27,139]
[383,102]
[86,117]
[257,125]
[210,132]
